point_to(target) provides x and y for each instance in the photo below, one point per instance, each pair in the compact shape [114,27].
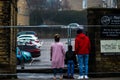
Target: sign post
[70,26]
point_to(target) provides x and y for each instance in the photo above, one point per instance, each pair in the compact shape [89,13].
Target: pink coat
[58,55]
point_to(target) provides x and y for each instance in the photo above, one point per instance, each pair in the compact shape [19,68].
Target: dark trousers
[58,70]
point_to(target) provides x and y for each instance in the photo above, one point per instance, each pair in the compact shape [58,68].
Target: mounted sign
[110,32]
[110,46]
[110,20]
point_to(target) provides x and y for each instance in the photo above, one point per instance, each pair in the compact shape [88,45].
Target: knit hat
[80,30]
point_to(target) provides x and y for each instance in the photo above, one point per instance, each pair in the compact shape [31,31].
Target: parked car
[27,32]
[23,56]
[35,52]
[28,39]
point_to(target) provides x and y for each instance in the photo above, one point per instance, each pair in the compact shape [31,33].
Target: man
[82,49]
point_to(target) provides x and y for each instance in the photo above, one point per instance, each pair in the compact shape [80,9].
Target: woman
[57,56]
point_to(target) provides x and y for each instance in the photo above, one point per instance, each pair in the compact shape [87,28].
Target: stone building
[23,13]
[83,4]
[109,3]
[78,4]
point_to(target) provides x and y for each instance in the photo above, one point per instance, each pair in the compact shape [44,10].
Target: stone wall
[8,14]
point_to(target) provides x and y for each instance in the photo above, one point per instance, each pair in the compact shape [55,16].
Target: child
[70,61]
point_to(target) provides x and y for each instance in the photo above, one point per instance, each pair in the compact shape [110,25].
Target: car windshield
[26,32]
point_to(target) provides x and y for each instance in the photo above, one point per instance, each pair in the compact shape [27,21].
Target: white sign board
[108,46]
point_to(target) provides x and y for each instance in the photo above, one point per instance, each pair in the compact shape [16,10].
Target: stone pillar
[8,12]
[104,26]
